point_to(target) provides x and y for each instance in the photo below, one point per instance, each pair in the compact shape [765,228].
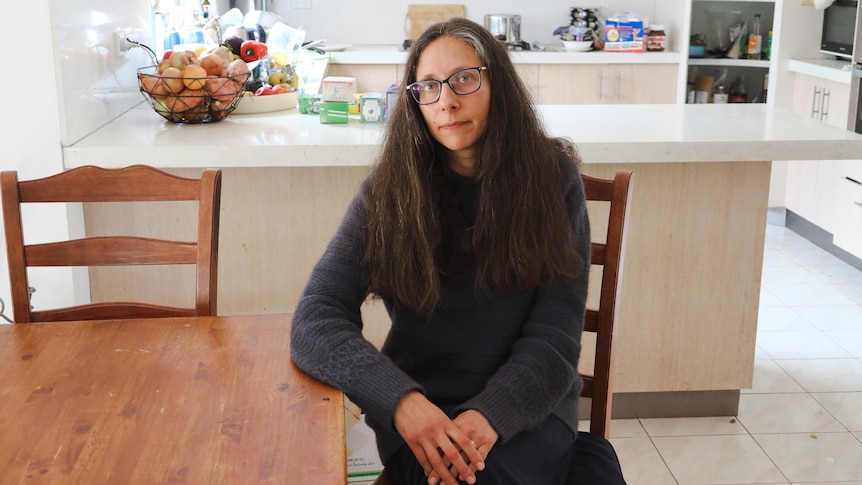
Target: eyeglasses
[463,82]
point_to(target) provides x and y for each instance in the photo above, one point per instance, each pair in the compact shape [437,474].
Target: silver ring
[474,444]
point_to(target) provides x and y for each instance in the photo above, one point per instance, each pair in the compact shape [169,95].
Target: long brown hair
[522,235]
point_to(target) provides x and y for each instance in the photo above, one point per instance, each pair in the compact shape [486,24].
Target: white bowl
[577,45]
[266,104]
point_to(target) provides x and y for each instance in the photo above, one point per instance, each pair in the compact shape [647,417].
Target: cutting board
[422,16]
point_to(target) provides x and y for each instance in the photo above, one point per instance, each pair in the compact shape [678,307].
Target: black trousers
[545,455]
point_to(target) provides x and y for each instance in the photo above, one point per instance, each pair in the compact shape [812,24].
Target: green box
[333,112]
[309,103]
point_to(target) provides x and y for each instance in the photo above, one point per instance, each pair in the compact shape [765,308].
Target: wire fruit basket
[201,100]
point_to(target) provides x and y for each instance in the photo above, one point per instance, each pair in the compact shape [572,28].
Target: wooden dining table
[197,400]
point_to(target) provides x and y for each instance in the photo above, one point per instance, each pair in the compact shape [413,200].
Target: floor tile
[807,457]
[854,292]
[720,425]
[810,294]
[730,459]
[846,407]
[785,413]
[825,375]
[769,377]
[774,276]
[812,256]
[781,318]
[843,317]
[849,340]
[810,344]
[767,298]
[842,274]
[641,462]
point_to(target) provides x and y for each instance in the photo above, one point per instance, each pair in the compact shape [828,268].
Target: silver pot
[504,27]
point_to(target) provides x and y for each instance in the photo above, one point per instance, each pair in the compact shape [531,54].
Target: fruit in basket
[154,86]
[194,76]
[182,59]
[222,88]
[172,78]
[213,64]
[276,78]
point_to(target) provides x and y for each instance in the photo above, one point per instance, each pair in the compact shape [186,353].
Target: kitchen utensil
[504,27]
[421,16]
[578,45]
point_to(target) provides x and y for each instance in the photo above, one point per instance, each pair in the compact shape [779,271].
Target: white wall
[68,83]
[383,21]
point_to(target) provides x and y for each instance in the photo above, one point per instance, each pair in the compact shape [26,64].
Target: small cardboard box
[624,34]
[333,112]
[371,108]
[337,88]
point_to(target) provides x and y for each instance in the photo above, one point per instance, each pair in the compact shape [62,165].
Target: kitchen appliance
[839,28]
[854,117]
[507,29]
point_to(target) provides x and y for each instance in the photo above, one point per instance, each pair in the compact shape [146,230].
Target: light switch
[300,3]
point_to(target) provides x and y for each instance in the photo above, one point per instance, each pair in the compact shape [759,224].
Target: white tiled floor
[801,423]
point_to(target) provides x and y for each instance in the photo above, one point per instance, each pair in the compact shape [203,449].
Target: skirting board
[674,404]
[819,237]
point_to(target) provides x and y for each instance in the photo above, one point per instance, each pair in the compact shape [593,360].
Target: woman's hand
[482,435]
[436,441]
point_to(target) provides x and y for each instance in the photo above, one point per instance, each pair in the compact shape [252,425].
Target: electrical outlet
[121,42]
[300,3]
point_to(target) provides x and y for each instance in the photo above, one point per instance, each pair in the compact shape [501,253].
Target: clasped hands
[447,449]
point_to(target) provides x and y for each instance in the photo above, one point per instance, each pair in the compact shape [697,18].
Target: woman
[472,229]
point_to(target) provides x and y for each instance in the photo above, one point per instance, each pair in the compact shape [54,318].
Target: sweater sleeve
[543,366]
[326,333]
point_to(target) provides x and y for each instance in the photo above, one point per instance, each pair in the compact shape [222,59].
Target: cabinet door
[607,84]
[821,99]
[641,83]
[848,234]
[570,84]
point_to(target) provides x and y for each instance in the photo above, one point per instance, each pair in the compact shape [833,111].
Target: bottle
[755,41]
[720,95]
[205,9]
[767,53]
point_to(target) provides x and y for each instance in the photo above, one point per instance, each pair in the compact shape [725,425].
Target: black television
[839,29]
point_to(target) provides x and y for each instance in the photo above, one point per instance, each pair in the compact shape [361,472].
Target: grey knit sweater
[513,358]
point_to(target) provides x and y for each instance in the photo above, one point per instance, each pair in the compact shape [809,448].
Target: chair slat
[111,251]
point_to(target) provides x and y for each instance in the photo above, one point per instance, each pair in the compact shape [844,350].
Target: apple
[163,66]
[277,77]
[194,76]
[222,89]
[181,59]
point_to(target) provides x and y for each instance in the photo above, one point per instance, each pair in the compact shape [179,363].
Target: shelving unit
[706,16]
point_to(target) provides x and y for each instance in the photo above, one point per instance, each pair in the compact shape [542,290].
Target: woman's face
[456,121]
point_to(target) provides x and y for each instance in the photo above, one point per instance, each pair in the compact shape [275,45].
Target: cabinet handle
[601,82]
[858,204]
[824,105]
[814,104]
[852,180]
[619,82]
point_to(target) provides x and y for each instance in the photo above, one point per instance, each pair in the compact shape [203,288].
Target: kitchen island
[691,288]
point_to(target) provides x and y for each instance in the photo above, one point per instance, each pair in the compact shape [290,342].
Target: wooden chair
[130,184]
[600,320]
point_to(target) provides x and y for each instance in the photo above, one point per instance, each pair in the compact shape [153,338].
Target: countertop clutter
[603,134]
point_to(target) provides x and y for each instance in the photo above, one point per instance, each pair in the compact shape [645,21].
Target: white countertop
[838,71]
[554,54]
[603,134]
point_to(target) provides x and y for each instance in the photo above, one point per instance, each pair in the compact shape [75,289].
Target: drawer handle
[858,204]
[852,180]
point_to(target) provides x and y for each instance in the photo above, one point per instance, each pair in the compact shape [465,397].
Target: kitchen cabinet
[554,83]
[811,186]
[848,207]
[607,83]
[753,74]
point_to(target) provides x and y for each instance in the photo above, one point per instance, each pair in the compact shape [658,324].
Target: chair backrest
[131,184]
[602,320]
